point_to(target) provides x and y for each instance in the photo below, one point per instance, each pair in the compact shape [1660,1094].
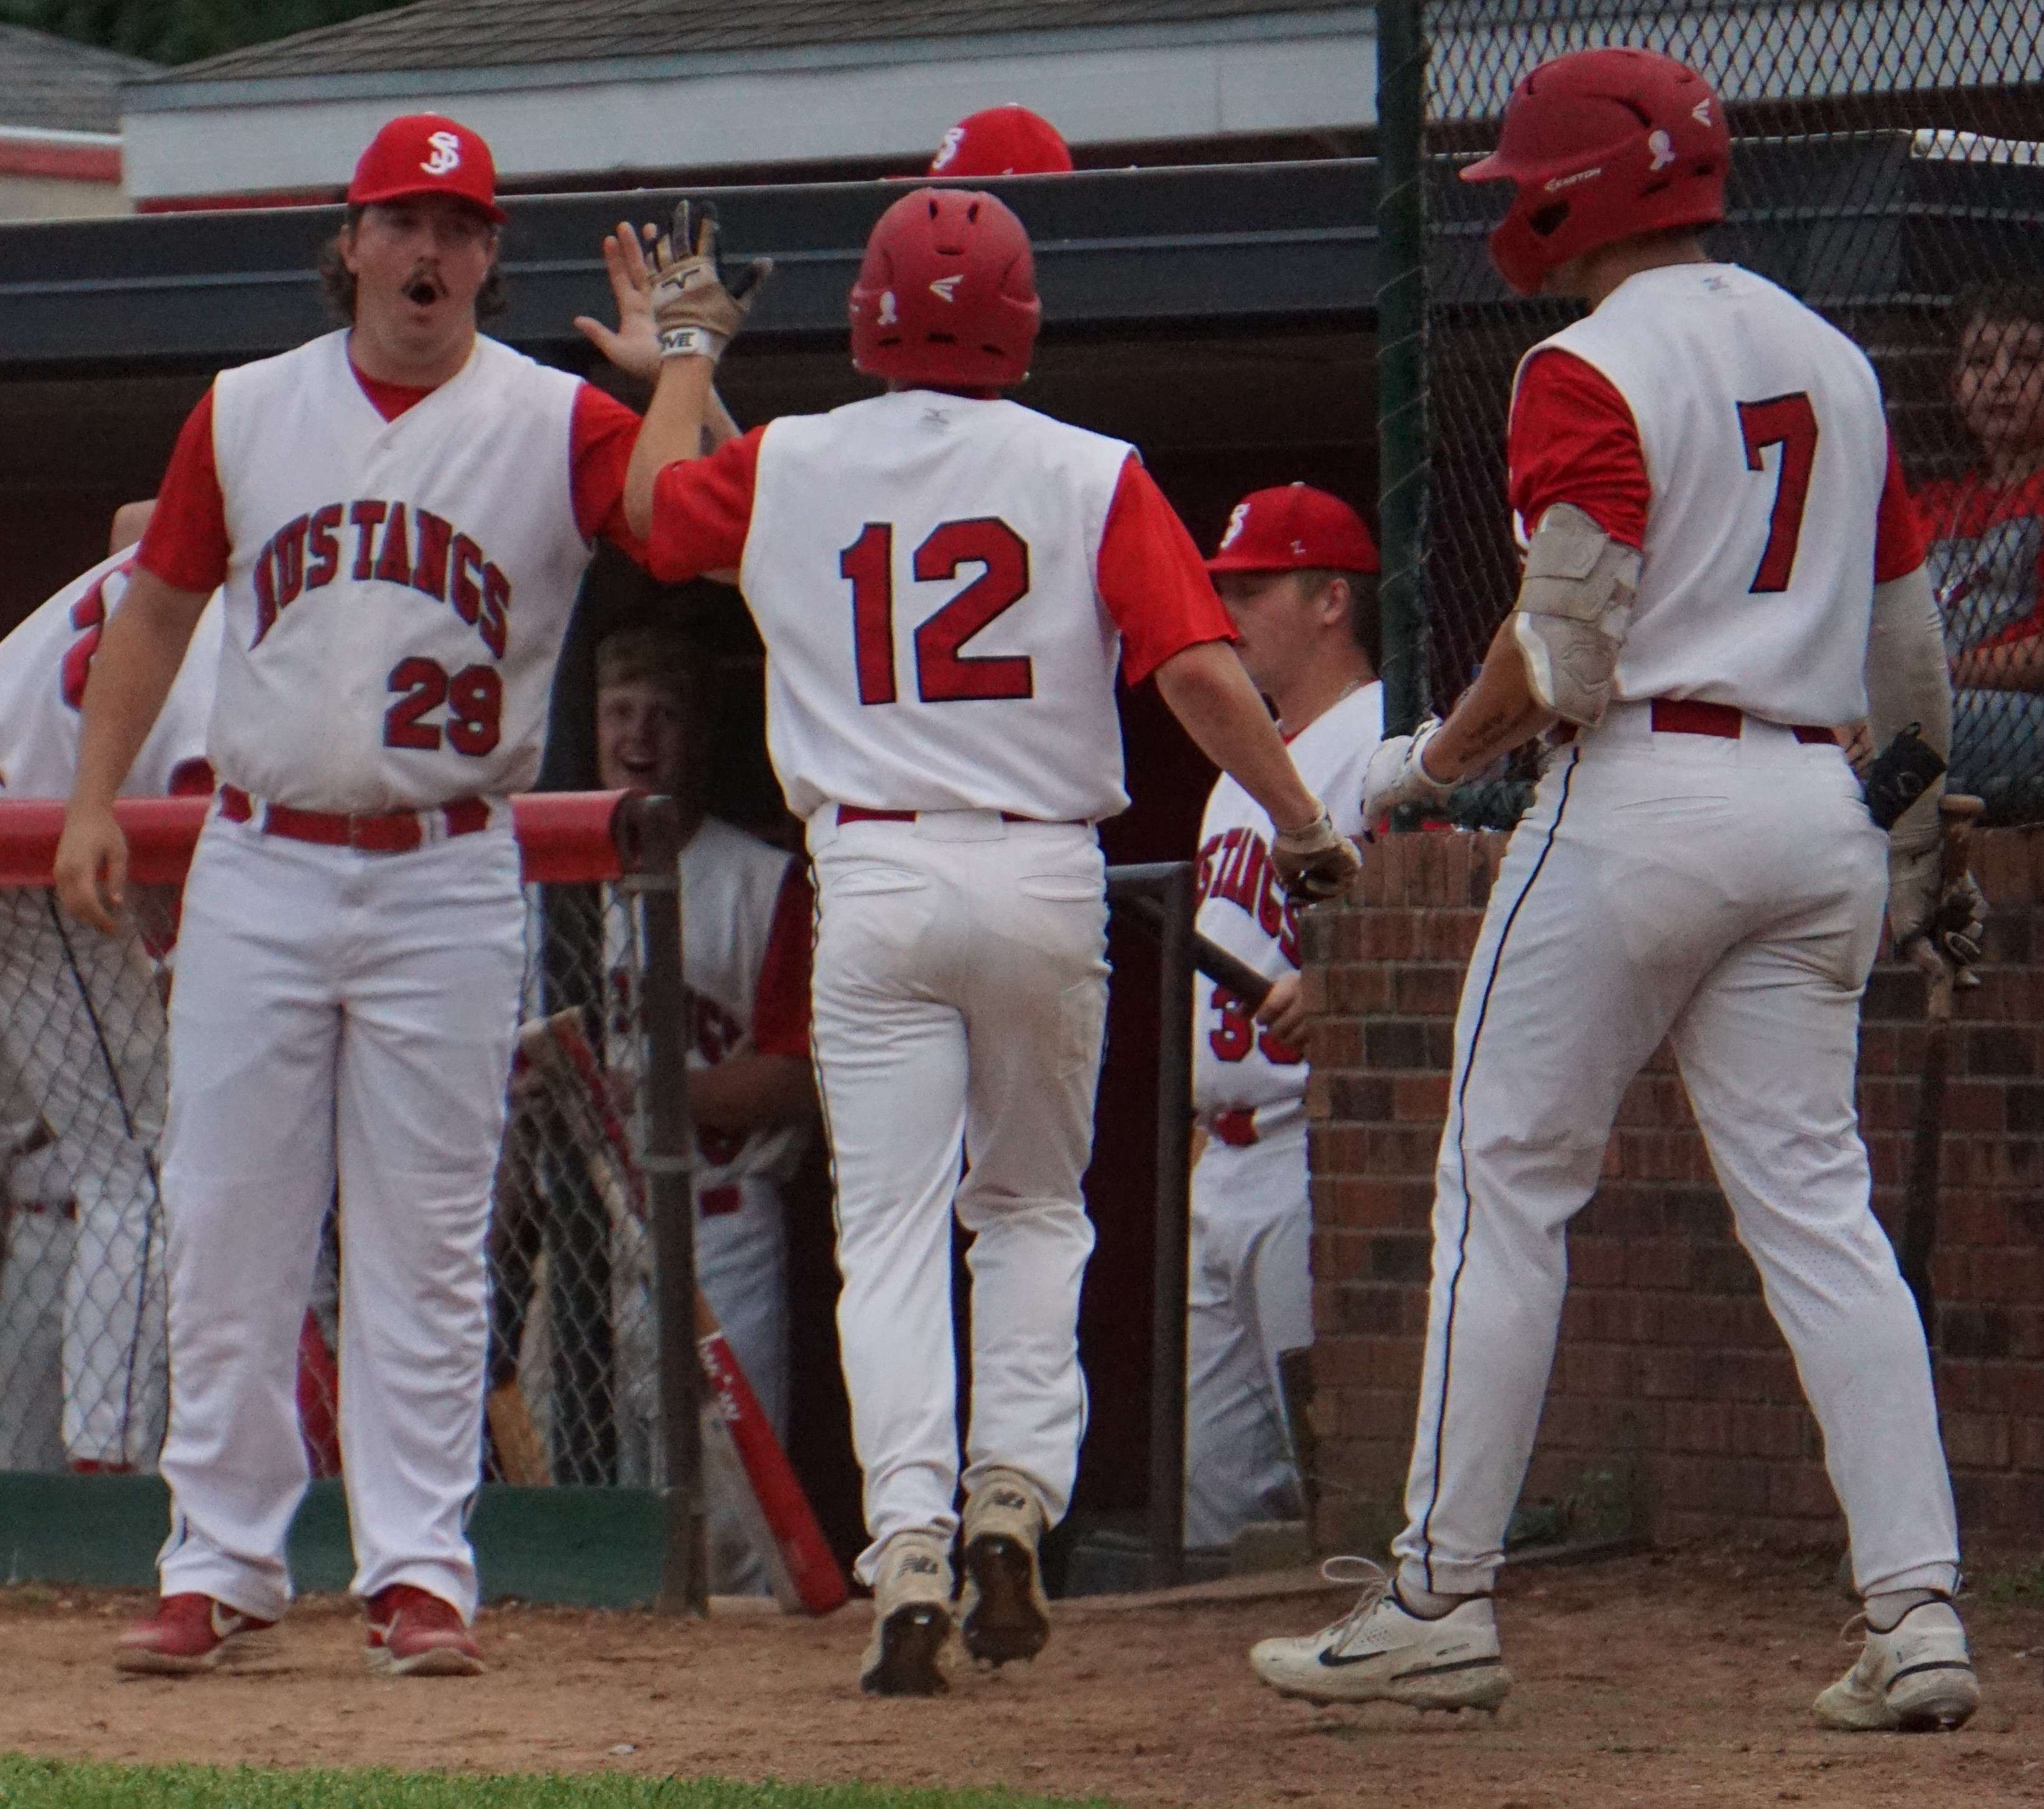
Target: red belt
[1691,716]
[1237,1127]
[860,813]
[390,832]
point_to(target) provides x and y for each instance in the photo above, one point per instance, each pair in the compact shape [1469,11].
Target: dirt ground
[1651,1681]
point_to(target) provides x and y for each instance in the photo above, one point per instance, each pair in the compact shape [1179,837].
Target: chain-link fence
[82,1074]
[1888,169]
[577,1353]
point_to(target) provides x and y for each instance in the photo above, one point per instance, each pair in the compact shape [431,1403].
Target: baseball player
[1007,140]
[83,1029]
[945,582]
[1297,569]
[399,514]
[1721,571]
[746,923]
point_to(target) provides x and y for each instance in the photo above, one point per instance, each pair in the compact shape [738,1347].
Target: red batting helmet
[1604,144]
[947,292]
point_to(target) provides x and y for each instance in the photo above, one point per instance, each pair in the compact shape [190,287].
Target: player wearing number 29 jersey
[399,514]
[1722,573]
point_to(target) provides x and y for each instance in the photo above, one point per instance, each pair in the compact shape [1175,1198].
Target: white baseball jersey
[398,589]
[43,664]
[1237,1064]
[1000,690]
[745,940]
[1766,449]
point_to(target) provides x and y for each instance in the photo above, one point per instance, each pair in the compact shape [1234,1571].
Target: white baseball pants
[960,994]
[83,1023]
[1251,1298]
[1726,895]
[348,1014]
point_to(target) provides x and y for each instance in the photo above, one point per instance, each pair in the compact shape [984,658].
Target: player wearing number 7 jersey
[946,583]
[399,514]
[1722,573]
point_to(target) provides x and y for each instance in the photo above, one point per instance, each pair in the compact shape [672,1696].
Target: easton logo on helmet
[945,288]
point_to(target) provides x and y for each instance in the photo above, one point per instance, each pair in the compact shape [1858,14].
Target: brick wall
[1671,1374]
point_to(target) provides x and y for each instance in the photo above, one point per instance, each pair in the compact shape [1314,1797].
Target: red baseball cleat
[187,1633]
[413,1634]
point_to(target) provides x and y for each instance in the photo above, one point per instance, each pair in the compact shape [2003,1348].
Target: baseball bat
[1918,1237]
[739,1437]
[1208,957]
[519,1454]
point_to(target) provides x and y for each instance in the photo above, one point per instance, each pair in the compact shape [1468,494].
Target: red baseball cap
[426,154]
[1001,141]
[1294,527]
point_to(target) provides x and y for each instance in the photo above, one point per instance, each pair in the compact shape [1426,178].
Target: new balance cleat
[1004,1614]
[912,1618]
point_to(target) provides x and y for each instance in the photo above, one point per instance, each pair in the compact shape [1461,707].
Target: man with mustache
[400,513]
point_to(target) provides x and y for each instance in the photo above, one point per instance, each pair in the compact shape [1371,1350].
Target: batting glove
[1927,912]
[1315,862]
[696,311]
[1395,777]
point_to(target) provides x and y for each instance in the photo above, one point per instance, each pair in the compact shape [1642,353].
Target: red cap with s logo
[426,154]
[1294,527]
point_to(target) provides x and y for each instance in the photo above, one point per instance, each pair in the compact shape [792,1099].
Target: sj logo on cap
[1236,522]
[447,154]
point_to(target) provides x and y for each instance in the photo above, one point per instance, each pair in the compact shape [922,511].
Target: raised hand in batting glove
[1395,778]
[696,310]
[1315,862]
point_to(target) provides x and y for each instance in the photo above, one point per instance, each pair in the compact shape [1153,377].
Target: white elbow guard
[1575,604]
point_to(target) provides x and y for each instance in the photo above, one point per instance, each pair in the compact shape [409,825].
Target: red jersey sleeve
[1152,579]
[702,510]
[1899,544]
[601,434]
[185,542]
[781,1004]
[1573,439]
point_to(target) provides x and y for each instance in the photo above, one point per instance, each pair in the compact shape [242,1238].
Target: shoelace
[1376,1582]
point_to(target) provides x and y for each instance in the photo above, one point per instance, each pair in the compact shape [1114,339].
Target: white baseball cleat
[912,1618]
[1917,1678]
[1377,1652]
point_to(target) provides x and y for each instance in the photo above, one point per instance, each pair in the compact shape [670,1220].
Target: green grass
[2019,1585]
[44,1784]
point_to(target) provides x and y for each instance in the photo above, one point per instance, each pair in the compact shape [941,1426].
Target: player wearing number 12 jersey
[399,514]
[1722,573]
[946,583]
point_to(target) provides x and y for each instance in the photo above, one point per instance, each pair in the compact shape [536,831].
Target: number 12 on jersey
[944,673]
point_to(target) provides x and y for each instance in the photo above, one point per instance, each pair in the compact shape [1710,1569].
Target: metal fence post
[1170,1273]
[1401,359]
[650,841]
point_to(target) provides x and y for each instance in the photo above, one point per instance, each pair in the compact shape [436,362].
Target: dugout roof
[1196,310]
